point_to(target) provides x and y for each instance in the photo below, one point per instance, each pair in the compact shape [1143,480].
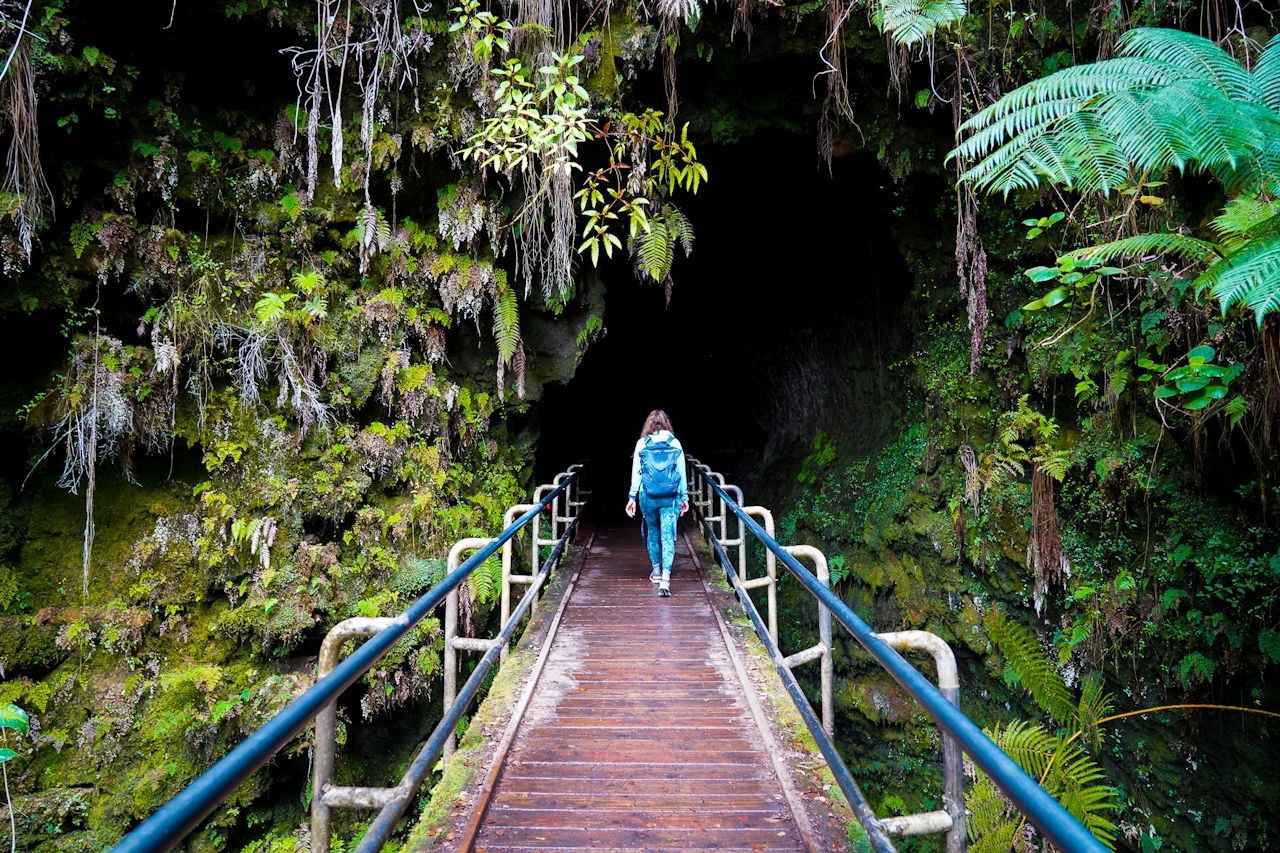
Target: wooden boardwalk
[638,735]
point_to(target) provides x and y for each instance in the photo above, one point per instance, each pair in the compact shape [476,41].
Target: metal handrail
[169,824]
[1044,812]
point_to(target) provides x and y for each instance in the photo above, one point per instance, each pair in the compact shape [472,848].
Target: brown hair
[657,420]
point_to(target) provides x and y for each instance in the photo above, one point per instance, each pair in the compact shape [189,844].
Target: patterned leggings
[660,524]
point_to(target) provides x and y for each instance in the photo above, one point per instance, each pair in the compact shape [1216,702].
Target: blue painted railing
[1041,809]
[172,821]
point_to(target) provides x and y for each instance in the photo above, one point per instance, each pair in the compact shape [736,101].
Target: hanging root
[1044,546]
[26,192]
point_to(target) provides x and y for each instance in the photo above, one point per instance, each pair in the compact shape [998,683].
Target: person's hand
[684,507]
[631,507]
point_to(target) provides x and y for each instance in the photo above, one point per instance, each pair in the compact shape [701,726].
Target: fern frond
[1094,705]
[1244,216]
[506,324]
[1250,275]
[991,820]
[1267,74]
[910,22]
[1198,251]
[1029,744]
[654,250]
[1065,770]
[681,228]
[485,583]
[1077,84]
[1198,57]
[1172,99]
[1024,657]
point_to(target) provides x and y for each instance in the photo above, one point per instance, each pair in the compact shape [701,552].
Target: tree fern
[1245,215]
[909,22]
[1267,75]
[1250,275]
[1193,249]
[1169,100]
[1028,662]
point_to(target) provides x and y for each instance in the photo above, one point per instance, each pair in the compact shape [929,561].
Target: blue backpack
[659,469]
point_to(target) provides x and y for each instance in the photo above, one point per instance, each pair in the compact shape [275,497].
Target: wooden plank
[638,735]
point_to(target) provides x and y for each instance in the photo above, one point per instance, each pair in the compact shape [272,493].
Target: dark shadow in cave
[795,284]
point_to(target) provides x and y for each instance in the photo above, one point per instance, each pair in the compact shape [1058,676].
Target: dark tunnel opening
[799,281]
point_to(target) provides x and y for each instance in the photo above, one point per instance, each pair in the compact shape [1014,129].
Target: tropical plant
[1169,100]
[909,22]
[1063,769]
[11,717]
[538,122]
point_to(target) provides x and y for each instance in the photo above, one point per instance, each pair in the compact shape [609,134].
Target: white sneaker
[655,576]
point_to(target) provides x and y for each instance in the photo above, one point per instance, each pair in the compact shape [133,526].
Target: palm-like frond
[909,22]
[1171,99]
[1193,249]
[1197,56]
[1250,275]
[1267,74]
[1245,216]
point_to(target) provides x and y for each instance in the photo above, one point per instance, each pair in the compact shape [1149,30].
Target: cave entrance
[795,287]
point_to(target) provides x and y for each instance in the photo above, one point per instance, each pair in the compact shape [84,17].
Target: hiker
[658,480]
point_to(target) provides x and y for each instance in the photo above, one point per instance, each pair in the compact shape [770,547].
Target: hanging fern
[1028,664]
[506,333]
[1169,100]
[654,249]
[910,22]
[485,583]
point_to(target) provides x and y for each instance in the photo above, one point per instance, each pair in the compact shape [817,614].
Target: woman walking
[658,481]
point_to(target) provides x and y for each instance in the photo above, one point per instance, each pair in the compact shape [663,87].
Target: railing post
[824,635]
[451,634]
[538,541]
[507,577]
[952,763]
[770,567]
[326,739]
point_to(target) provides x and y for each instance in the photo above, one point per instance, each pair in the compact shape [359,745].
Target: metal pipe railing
[171,822]
[1053,821]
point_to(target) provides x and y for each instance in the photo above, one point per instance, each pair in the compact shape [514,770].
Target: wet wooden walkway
[638,735]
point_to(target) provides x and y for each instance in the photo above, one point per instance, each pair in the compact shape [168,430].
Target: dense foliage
[291,313]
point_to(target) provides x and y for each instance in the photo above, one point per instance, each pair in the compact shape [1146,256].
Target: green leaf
[1197,403]
[1039,274]
[1055,297]
[6,754]
[1165,391]
[13,717]
[1203,352]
